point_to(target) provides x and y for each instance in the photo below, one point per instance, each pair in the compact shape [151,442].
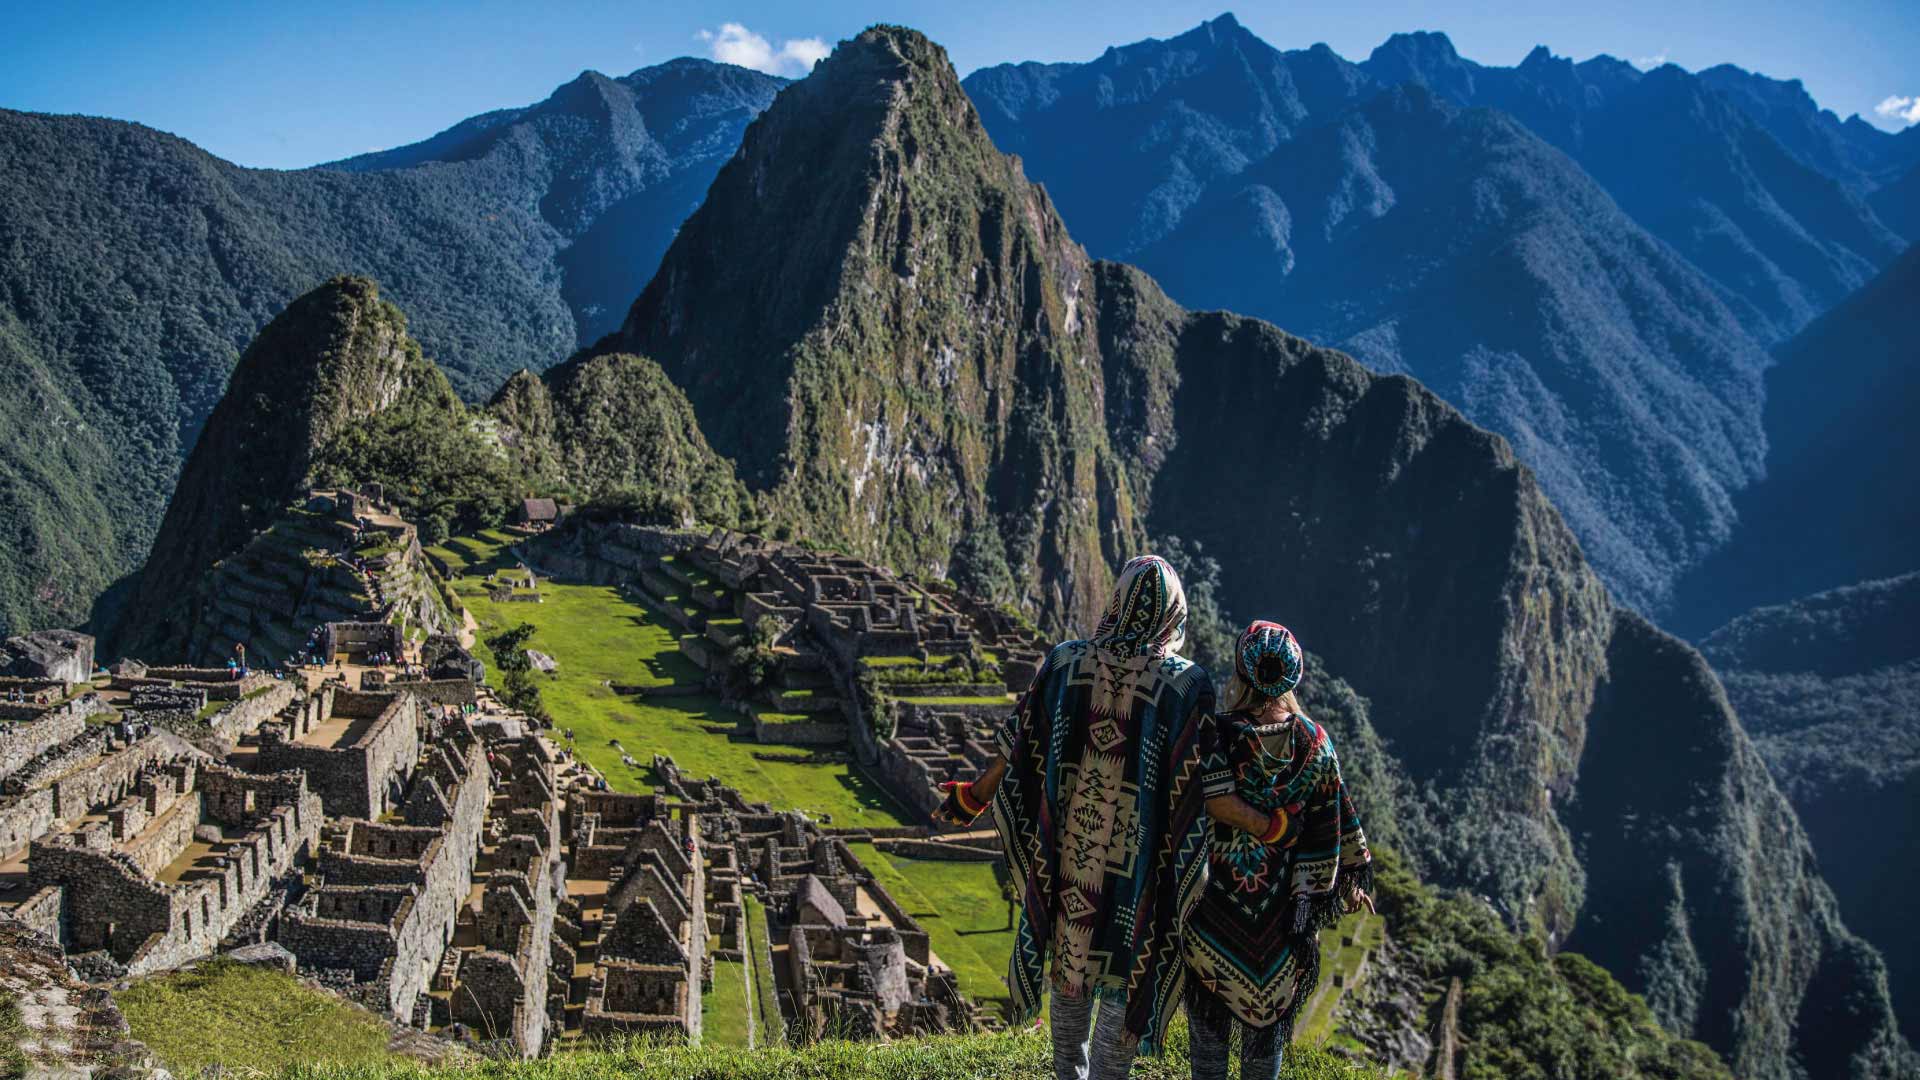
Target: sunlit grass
[248,1018]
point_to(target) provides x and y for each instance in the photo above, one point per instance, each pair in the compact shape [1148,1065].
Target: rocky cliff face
[884,322]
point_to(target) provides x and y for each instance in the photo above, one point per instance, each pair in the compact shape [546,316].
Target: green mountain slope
[333,391]
[614,427]
[134,267]
[888,329]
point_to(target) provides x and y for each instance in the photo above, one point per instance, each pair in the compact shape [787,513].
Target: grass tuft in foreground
[1017,1056]
[249,1018]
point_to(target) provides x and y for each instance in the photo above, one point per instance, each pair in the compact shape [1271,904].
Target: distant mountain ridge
[134,267]
[1839,503]
[1622,358]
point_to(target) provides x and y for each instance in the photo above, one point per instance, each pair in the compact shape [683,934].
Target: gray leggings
[1104,1056]
[1211,1026]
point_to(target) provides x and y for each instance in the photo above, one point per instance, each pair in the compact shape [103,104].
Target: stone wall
[24,819]
[41,911]
[504,987]
[438,691]
[391,893]
[800,733]
[354,780]
[23,740]
[111,903]
[245,716]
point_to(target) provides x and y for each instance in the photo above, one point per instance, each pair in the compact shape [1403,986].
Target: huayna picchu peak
[820,649]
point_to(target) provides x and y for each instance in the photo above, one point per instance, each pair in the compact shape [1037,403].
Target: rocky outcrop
[61,655]
[66,1028]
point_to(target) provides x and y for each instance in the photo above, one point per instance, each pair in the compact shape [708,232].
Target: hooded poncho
[1253,940]
[1101,810]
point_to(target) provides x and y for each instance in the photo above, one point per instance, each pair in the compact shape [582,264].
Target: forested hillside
[1839,504]
[1829,685]
[134,267]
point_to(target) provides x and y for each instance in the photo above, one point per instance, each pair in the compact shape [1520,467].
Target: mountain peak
[867,278]
[1426,57]
[1428,45]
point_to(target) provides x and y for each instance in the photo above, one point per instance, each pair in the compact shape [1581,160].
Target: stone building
[501,979]
[382,916]
[858,964]
[358,748]
[640,859]
[163,875]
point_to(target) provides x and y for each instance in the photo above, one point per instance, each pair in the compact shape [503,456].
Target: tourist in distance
[1097,793]
[1252,942]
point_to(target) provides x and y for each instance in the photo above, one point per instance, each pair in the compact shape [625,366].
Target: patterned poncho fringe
[1049,730]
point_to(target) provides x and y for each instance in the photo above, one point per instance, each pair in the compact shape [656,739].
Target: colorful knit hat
[1268,659]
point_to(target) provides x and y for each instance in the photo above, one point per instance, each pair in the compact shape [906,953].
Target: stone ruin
[842,623]
[858,964]
[430,859]
[339,558]
[165,874]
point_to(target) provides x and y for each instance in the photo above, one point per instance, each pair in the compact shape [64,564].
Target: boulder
[267,954]
[48,654]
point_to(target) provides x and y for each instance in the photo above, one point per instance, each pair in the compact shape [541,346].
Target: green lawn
[935,699]
[766,993]
[1021,1055]
[723,1009]
[599,636]
[1368,932]
[958,904]
[13,1060]
[246,1018]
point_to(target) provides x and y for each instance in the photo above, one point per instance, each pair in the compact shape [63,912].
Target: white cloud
[1648,63]
[1904,109]
[735,44]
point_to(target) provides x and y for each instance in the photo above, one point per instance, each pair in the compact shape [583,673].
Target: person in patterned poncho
[1096,792]
[1252,943]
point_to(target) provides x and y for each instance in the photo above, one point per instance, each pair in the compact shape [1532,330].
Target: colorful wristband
[963,794]
[1276,828]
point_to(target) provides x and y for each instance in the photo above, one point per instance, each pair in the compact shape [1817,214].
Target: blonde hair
[1240,696]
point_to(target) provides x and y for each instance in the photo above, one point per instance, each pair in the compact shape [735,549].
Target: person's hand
[1357,899]
[960,809]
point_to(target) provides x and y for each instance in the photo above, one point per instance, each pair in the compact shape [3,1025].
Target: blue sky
[279,84]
